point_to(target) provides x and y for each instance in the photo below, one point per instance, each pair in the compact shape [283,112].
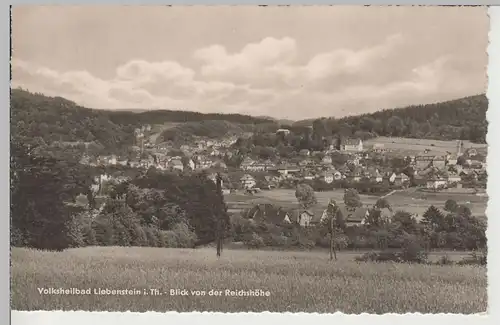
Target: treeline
[208,128]
[55,205]
[458,119]
[451,228]
[163,116]
[463,118]
[154,209]
[45,120]
[36,117]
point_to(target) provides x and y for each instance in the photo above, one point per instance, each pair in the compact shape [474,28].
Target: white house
[247,181]
[337,175]
[304,152]
[283,131]
[328,178]
[203,163]
[351,145]
[436,183]
[327,160]
[305,218]
[176,164]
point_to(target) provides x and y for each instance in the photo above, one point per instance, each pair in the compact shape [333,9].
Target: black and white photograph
[313,159]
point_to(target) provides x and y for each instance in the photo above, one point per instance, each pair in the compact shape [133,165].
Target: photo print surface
[311,159]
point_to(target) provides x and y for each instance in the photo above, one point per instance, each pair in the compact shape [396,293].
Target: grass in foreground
[297,281]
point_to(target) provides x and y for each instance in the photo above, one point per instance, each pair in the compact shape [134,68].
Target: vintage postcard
[314,159]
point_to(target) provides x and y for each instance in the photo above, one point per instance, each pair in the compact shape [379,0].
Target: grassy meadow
[409,200]
[297,281]
[411,146]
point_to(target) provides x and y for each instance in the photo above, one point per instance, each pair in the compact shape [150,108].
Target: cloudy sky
[286,62]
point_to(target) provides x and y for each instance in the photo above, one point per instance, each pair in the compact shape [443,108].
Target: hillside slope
[50,119]
[56,119]
[463,118]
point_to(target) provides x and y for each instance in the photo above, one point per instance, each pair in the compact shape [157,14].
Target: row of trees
[451,228]
[170,210]
[154,209]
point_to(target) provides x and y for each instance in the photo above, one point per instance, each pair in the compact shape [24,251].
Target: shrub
[413,250]
[475,259]
[367,257]
[185,237]
[341,241]
[444,260]
[104,232]
[275,240]
[17,239]
[152,236]
[89,236]
[170,239]
[139,237]
[253,241]
[121,235]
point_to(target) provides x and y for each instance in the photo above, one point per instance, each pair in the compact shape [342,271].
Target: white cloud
[266,53]
[262,78]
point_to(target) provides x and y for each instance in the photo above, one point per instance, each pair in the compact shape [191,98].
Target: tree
[374,220]
[382,203]
[352,199]
[463,211]
[332,214]
[219,227]
[434,218]
[39,216]
[450,205]
[406,221]
[395,126]
[305,196]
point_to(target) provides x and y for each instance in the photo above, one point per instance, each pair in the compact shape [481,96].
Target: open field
[297,281]
[157,129]
[409,200]
[417,146]
[417,202]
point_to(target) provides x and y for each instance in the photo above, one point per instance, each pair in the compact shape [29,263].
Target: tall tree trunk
[219,247]
[333,253]
[219,226]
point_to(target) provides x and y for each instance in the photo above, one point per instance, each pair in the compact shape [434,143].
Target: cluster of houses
[432,171]
[159,161]
[206,147]
[202,153]
[262,211]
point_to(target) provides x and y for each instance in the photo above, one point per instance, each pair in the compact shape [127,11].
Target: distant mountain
[279,121]
[463,118]
[163,116]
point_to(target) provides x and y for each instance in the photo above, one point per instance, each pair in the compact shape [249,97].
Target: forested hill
[50,119]
[46,119]
[57,119]
[162,116]
[463,118]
